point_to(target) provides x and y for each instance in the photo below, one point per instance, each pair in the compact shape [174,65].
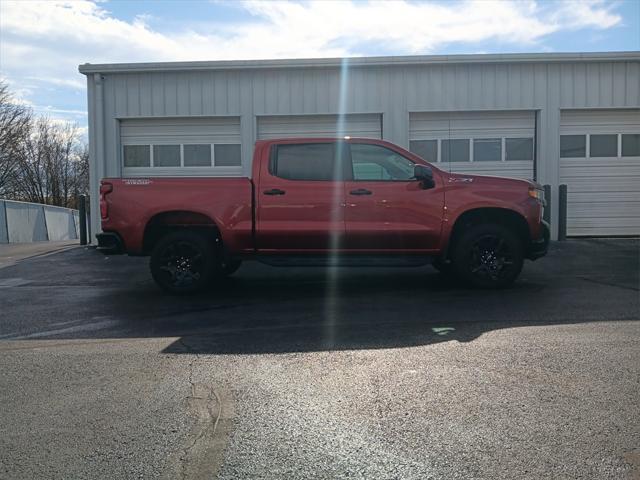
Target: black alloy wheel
[488,256]
[182,262]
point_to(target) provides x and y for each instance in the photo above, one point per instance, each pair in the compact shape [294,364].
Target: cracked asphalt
[295,373]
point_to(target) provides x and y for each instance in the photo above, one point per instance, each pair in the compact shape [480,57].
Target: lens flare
[332,297]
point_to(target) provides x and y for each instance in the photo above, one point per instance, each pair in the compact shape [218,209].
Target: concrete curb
[19,258]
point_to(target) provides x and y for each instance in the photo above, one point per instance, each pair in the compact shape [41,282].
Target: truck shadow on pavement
[79,294]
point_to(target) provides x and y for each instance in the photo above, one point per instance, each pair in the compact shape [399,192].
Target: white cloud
[63,111]
[45,41]
[77,83]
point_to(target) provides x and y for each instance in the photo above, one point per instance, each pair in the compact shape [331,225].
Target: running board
[345,260]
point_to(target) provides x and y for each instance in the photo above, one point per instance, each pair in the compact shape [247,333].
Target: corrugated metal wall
[323,125]
[393,91]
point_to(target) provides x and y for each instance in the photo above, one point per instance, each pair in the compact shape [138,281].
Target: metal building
[555,118]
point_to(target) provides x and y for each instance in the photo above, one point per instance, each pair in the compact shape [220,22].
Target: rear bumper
[110,243]
[539,247]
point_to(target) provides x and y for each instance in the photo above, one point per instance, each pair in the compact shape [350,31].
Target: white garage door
[600,164]
[354,125]
[481,143]
[184,146]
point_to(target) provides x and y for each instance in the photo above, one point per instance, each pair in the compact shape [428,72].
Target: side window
[373,162]
[305,161]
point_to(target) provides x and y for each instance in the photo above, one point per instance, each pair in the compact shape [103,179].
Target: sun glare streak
[332,298]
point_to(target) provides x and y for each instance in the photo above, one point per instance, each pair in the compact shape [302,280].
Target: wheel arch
[162,223]
[483,215]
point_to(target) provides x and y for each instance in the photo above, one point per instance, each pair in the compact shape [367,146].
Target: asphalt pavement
[314,373]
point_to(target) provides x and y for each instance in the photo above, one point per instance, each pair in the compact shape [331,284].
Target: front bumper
[110,243]
[539,247]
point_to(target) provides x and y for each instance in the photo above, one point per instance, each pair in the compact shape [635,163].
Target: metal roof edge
[89,68]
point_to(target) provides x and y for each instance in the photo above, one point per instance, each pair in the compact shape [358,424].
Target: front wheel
[182,262]
[488,256]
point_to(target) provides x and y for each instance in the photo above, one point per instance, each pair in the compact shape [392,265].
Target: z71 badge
[137,181]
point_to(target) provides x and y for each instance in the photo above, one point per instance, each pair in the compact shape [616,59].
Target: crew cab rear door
[387,209]
[300,198]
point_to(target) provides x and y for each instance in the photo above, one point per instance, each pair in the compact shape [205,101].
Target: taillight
[105,188]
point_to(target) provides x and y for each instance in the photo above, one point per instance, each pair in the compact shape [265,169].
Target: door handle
[274,191]
[360,191]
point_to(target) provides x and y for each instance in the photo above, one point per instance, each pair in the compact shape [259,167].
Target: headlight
[538,194]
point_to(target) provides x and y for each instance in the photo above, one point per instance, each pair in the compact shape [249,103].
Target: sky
[42,43]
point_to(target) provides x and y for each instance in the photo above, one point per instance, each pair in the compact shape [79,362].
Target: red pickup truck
[347,201]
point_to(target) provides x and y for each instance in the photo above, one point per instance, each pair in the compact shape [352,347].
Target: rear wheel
[182,262]
[488,256]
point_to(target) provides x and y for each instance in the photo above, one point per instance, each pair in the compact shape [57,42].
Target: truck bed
[228,201]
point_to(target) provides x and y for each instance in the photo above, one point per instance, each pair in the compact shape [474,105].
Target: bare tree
[15,127]
[52,165]
[41,160]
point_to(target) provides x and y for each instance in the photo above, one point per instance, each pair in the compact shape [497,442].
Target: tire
[488,256]
[230,267]
[182,262]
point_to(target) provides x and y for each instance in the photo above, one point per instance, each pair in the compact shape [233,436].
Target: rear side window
[305,161]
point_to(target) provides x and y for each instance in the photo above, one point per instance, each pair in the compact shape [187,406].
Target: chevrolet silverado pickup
[327,201]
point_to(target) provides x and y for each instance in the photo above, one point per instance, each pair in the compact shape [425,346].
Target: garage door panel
[605,232]
[517,121]
[219,128]
[222,134]
[598,210]
[613,185]
[296,126]
[585,120]
[424,132]
[210,132]
[604,226]
[570,169]
[603,194]
[476,125]
[603,197]
[601,174]
[495,169]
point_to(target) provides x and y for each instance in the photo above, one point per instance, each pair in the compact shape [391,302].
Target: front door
[386,208]
[300,199]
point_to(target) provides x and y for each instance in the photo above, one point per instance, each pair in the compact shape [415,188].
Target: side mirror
[425,175]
